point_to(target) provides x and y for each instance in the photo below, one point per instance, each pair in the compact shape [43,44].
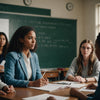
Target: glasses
[88,48]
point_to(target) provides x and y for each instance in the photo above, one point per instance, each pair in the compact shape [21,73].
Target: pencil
[43,73]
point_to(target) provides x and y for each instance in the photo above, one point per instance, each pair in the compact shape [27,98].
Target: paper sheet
[66,82]
[50,87]
[87,90]
[45,96]
[71,84]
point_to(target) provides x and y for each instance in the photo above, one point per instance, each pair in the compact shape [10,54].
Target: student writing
[22,66]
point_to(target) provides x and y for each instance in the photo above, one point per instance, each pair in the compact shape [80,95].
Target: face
[29,41]
[97,51]
[2,40]
[86,50]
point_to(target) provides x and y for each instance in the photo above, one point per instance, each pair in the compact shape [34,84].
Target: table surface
[28,92]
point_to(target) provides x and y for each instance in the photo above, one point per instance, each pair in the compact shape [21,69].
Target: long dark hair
[4,52]
[92,58]
[20,33]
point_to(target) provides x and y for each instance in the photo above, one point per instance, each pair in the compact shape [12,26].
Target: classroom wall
[89,19]
[83,11]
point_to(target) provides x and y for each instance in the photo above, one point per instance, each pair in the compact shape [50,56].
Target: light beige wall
[58,9]
[89,19]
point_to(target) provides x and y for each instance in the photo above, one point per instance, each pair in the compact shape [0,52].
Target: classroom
[60,27]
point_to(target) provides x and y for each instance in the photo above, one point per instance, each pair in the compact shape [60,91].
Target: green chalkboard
[56,38]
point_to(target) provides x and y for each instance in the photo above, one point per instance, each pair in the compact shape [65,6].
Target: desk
[27,92]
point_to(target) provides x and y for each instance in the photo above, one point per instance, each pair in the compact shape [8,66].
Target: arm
[93,77]
[14,74]
[4,88]
[8,89]
[97,92]
[74,92]
[71,78]
[91,86]
[39,80]
[96,70]
[72,70]
[38,72]
[38,83]
[2,84]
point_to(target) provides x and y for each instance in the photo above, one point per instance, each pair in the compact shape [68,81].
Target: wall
[58,9]
[89,19]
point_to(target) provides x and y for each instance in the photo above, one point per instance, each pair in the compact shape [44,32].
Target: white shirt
[2,84]
[28,65]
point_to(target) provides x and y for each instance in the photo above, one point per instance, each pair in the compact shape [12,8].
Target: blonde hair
[92,58]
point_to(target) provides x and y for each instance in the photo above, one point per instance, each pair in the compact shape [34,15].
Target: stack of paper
[50,87]
[45,96]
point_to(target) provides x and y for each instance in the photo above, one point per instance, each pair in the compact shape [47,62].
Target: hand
[91,86]
[79,79]
[39,82]
[9,89]
[2,92]
[74,92]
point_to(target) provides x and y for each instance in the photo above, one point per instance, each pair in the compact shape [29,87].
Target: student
[3,49]
[85,67]
[81,96]
[5,89]
[22,65]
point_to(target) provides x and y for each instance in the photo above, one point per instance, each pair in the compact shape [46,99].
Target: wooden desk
[28,92]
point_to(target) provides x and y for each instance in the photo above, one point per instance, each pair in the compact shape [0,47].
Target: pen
[43,73]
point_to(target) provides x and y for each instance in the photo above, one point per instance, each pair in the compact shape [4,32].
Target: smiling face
[29,41]
[86,50]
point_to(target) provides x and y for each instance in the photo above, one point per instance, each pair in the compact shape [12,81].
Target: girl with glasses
[85,67]
[96,96]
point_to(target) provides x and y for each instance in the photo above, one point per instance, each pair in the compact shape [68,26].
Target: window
[97,19]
